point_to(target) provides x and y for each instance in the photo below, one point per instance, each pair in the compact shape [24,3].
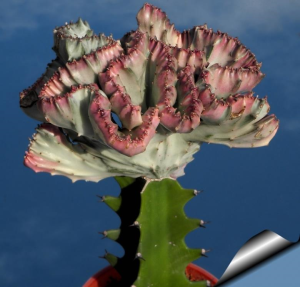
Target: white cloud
[234,16]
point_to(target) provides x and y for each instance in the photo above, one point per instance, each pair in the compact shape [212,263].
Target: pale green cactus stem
[153,238]
[138,109]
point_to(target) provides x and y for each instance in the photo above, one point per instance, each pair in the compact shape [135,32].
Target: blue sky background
[48,226]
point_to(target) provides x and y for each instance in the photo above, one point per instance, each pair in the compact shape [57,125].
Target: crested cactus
[137,109]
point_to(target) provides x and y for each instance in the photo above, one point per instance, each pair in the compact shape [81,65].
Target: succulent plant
[138,109]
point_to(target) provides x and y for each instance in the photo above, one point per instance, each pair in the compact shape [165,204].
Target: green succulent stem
[152,232]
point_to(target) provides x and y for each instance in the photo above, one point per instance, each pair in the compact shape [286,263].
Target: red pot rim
[102,277]
[193,272]
[196,273]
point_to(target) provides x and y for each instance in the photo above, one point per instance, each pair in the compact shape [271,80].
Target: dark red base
[193,272]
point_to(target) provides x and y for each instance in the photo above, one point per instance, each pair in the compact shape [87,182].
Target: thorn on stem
[102,198]
[196,192]
[136,224]
[105,255]
[139,256]
[204,251]
[203,223]
[104,233]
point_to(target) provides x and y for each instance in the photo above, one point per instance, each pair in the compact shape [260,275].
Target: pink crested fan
[143,105]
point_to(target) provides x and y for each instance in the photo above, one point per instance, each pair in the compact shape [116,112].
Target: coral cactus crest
[158,82]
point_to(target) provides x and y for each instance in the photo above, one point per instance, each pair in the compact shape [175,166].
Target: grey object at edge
[257,249]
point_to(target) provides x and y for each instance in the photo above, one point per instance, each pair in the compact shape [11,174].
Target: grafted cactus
[138,109]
